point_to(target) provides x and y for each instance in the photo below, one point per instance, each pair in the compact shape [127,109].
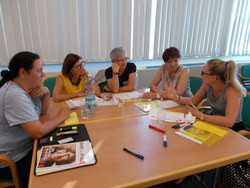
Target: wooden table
[102,112]
[116,168]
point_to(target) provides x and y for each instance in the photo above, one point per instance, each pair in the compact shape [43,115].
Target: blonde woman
[224,94]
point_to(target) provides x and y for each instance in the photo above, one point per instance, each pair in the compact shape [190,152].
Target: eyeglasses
[121,60]
[202,73]
[79,66]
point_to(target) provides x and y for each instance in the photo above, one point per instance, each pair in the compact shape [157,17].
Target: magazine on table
[64,156]
[64,148]
[202,132]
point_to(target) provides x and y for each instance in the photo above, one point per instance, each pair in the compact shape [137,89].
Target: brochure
[64,156]
[202,133]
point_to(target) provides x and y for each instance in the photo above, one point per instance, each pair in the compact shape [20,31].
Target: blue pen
[165,144]
[135,154]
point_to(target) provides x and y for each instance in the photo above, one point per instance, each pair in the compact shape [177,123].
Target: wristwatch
[158,96]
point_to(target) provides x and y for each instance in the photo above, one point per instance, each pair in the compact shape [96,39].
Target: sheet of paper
[174,116]
[166,104]
[73,119]
[168,115]
[129,95]
[76,102]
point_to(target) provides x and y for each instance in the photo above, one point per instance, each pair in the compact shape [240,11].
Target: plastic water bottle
[90,95]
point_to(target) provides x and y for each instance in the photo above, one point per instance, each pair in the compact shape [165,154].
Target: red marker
[156,128]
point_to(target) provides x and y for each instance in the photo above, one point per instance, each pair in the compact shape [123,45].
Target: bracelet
[201,117]
[179,98]
[115,73]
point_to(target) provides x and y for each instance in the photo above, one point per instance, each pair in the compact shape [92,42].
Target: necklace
[75,83]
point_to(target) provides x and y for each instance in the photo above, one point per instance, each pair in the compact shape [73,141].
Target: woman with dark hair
[23,99]
[172,75]
[71,82]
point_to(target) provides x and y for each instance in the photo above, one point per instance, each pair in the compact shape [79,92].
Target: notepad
[73,119]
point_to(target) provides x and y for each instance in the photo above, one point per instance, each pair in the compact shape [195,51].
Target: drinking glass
[160,116]
[120,102]
[84,112]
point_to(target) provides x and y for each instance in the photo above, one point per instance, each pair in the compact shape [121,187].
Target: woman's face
[61,155]
[172,64]
[36,74]
[207,76]
[78,68]
[121,61]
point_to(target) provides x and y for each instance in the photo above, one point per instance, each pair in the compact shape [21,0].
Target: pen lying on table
[67,132]
[156,128]
[135,154]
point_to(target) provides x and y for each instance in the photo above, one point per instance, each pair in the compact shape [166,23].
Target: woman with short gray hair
[121,76]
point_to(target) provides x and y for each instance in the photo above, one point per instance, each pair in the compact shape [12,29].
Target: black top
[123,79]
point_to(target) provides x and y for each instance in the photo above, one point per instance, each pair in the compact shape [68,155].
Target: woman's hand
[169,93]
[193,109]
[115,67]
[64,113]
[149,95]
[42,90]
[85,73]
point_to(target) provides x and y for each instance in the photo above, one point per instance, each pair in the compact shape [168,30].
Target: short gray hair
[117,52]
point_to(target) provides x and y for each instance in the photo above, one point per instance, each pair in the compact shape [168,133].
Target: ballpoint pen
[156,128]
[135,154]
[165,144]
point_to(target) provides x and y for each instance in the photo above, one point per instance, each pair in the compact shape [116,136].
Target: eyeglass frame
[203,73]
[118,60]
[80,65]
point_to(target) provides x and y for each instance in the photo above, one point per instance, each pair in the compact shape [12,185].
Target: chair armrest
[245,78]
[244,132]
[7,160]
[205,108]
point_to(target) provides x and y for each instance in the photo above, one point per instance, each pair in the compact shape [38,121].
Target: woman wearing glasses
[224,94]
[172,75]
[71,82]
[121,76]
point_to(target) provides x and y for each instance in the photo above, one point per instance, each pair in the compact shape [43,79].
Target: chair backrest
[245,70]
[49,82]
[15,178]
[195,83]
[245,111]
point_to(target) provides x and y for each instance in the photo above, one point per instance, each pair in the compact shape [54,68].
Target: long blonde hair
[227,72]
